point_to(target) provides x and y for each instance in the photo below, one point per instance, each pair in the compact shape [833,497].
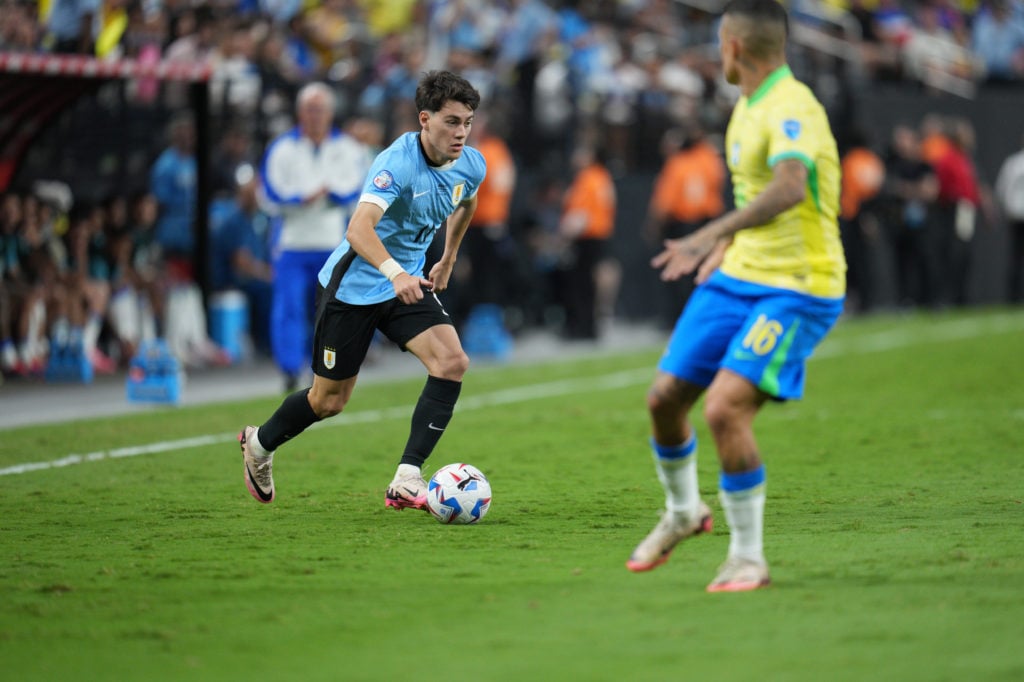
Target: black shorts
[343,331]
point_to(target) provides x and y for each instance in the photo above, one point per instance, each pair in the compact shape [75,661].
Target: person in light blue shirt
[375,280]
[998,40]
[69,25]
[173,183]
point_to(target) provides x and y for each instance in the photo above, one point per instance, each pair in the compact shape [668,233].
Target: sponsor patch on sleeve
[383,180]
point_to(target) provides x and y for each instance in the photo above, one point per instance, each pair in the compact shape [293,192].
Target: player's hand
[682,256]
[409,288]
[440,273]
[711,263]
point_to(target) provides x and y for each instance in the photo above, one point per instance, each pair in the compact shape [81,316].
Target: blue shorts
[764,334]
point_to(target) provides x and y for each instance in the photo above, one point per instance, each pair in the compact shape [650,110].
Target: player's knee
[720,413]
[326,405]
[668,397]
[453,365]
[660,402]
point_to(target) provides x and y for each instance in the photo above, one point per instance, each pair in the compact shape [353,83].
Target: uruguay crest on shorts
[329,357]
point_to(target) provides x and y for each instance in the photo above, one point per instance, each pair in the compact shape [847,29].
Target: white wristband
[391,269]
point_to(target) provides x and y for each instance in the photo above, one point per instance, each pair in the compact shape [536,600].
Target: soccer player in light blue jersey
[375,280]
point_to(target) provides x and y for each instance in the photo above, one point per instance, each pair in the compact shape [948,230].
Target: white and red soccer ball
[458,494]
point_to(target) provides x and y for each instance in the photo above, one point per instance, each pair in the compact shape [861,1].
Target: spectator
[194,41]
[488,241]
[233,151]
[333,27]
[1010,193]
[998,40]
[241,256]
[311,179]
[280,76]
[688,192]
[959,199]
[22,296]
[530,28]
[111,25]
[931,53]
[148,271]
[173,183]
[910,190]
[935,141]
[863,174]
[69,26]
[893,28]
[549,251]
[588,220]
[88,276]
[235,82]
[19,31]
[130,315]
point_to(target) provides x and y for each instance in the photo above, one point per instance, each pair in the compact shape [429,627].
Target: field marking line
[875,342]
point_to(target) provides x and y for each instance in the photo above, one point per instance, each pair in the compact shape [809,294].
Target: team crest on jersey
[734,153]
[383,180]
[791,127]
[329,357]
[457,192]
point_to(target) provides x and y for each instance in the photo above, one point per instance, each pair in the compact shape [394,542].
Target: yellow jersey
[798,249]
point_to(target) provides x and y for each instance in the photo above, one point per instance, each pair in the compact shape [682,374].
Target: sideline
[875,342]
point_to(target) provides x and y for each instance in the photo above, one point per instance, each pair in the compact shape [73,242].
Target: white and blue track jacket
[294,168]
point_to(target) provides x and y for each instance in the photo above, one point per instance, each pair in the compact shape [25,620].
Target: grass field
[894,528]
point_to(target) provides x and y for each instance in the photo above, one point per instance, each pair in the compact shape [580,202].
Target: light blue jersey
[416,198]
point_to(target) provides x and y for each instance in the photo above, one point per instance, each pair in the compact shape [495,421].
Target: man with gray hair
[310,179]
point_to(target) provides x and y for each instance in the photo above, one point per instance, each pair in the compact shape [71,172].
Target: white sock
[678,475]
[407,470]
[744,512]
[36,326]
[26,352]
[91,334]
[257,446]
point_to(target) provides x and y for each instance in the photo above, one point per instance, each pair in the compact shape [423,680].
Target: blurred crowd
[562,68]
[576,93]
[915,207]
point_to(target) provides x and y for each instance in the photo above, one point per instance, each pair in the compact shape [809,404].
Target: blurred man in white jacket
[311,178]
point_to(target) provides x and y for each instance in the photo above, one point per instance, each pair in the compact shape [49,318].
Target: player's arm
[787,188]
[362,237]
[458,222]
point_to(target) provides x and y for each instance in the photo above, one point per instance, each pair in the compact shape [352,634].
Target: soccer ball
[458,494]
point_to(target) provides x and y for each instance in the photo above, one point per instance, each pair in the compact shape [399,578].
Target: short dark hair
[438,87]
[769,20]
[761,10]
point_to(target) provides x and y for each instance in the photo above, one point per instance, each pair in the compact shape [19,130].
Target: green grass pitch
[894,529]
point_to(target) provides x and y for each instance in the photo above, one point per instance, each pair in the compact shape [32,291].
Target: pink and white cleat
[259,471]
[407,492]
[655,549]
[740,575]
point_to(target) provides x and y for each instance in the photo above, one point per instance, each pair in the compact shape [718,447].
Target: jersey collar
[444,166]
[773,78]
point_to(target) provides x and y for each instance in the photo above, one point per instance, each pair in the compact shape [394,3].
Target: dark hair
[759,11]
[438,87]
